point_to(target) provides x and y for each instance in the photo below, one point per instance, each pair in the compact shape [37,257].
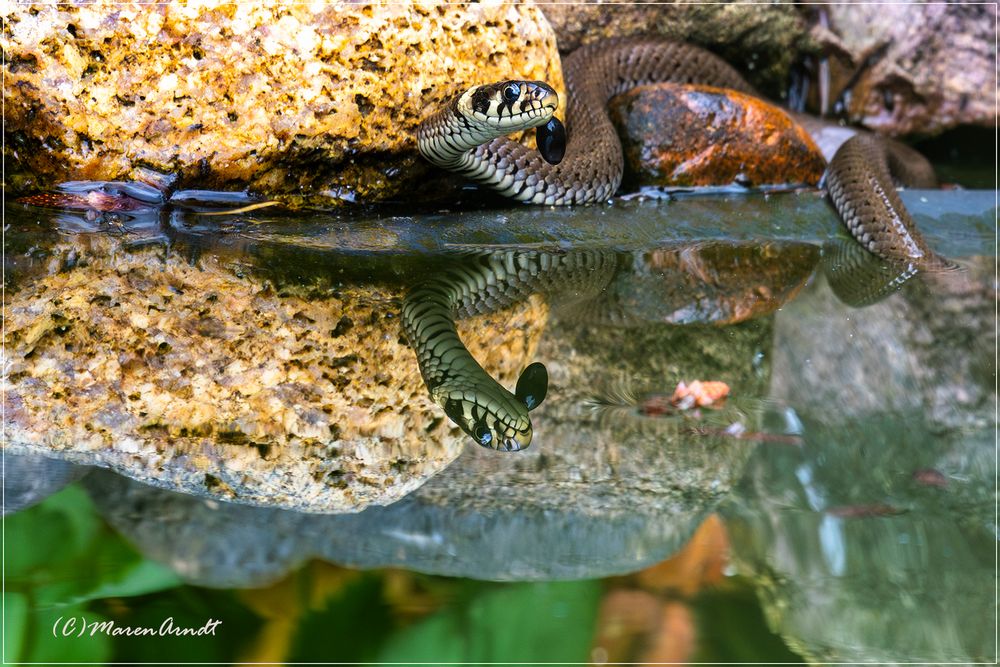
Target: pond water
[836,503]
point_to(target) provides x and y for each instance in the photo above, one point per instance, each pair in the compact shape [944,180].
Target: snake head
[501,422]
[508,106]
[506,432]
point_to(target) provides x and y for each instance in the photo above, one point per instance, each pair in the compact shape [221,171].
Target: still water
[246,438]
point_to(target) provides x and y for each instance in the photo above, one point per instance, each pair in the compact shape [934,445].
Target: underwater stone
[600,491]
[202,379]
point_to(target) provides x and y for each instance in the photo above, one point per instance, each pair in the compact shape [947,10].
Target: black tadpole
[551,140]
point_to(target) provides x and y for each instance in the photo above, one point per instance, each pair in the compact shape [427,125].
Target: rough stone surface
[198,379]
[699,135]
[603,489]
[937,71]
[290,98]
[761,41]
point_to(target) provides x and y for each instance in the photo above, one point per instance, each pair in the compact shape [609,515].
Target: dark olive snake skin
[468,136]
[493,416]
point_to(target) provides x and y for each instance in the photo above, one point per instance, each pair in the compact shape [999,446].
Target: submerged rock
[699,135]
[607,487]
[603,490]
[204,379]
[31,479]
[298,98]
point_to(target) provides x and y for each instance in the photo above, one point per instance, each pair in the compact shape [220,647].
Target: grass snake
[582,162]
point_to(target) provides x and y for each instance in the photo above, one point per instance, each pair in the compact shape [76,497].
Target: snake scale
[582,163]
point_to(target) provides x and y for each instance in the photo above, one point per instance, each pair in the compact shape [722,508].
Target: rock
[602,490]
[931,66]
[204,379]
[31,479]
[699,135]
[295,99]
[896,359]
[760,40]
[713,282]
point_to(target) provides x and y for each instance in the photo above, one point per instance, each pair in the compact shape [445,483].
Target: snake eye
[482,435]
[511,92]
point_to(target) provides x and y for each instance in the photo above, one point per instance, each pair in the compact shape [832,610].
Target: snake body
[468,136]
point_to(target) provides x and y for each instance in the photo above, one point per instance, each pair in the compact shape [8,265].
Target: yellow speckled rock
[287,98]
[196,379]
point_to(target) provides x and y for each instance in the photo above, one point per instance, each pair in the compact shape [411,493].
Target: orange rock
[685,135]
[701,562]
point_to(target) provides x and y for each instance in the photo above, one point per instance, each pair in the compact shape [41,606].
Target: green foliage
[532,622]
[349,629]
[732,628]
[58,557]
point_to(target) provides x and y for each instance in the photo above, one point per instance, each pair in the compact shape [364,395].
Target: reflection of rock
[699,135]
[711,282]
[320,97]
[760,38]
[226,545]
[31,479]
[927,346]
[937,70]
[599,492]
[872,542]
[199,379]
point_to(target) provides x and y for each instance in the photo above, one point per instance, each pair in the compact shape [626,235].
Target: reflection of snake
[468,136]
[493,416]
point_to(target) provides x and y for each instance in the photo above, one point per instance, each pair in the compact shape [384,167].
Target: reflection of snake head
[500,421]
[507,106]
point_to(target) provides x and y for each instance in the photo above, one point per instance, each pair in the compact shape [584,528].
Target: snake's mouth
[516,442]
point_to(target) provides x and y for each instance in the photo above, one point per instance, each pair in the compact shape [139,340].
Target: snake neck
[447,137]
